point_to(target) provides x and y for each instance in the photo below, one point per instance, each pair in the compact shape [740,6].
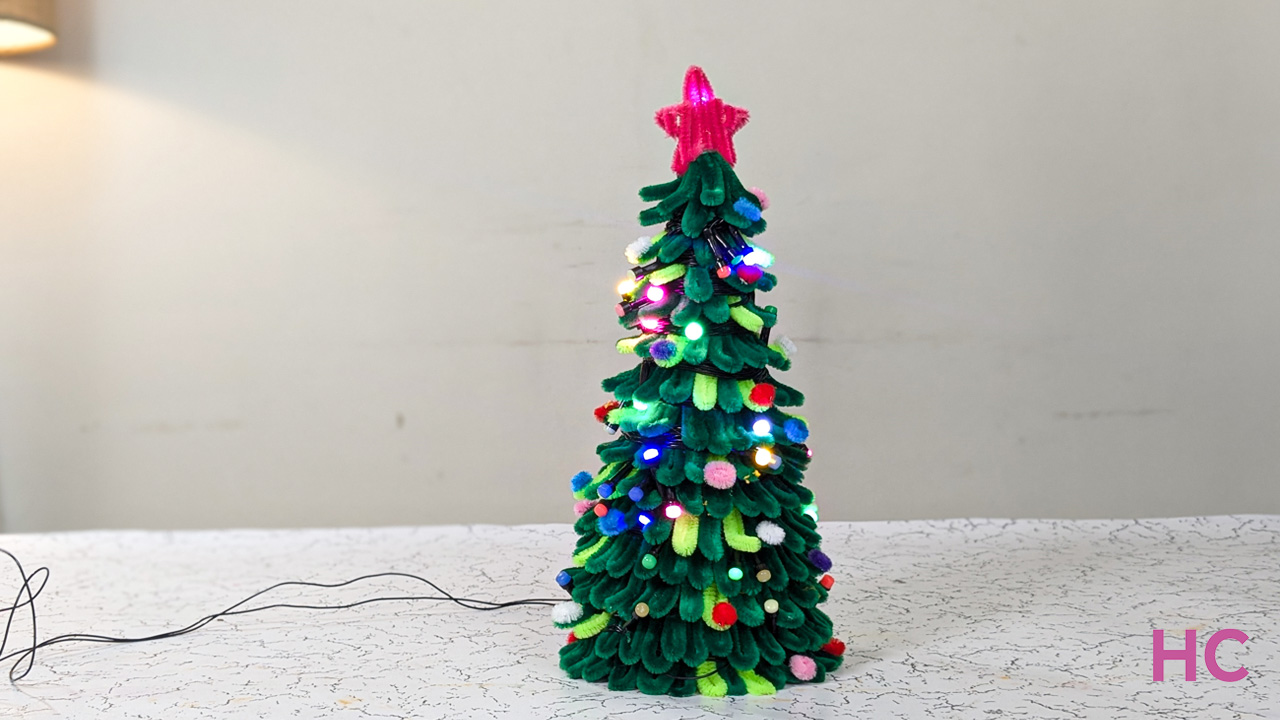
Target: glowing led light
[626,287]
[639,404]
[693,331]
[642,610]
[644,519]
[655,293]
[811,510]
[605,490]
[650,453]
[649,562]
[758,258]
[650,323]
[637,494]
[771,606]
[673,511]
[761,427]
[735,573]
[563,578]
[764,575]
[763,456]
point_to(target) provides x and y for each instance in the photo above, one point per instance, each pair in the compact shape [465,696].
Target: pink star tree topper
[701,122]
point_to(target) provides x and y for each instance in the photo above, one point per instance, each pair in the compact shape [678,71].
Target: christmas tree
[698,566]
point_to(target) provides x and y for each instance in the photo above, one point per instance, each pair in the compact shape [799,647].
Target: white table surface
[948,619]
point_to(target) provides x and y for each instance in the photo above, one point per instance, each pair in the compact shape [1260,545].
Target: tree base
[714,678]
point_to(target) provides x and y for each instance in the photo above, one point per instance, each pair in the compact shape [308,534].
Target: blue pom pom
[563,578]
[580,481]
[663,350]
[636,494]
[746,209]
[613,522]
[797,431]
[819,560]
[605,490]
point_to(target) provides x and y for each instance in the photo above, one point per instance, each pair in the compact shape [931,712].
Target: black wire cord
[34,583]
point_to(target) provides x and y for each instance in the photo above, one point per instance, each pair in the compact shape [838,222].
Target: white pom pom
[769,533]
[637,248]
[566,613]
[787,345]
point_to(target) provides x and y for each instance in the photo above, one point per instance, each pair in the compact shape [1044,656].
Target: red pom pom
[834,647]
[827,581]
[749,273]
[762,394]
[602,412]
[724,615]
[572,638]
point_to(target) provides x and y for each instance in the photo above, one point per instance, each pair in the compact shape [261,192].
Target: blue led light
[758,258]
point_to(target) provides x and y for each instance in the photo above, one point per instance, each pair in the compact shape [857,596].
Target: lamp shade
[26,26]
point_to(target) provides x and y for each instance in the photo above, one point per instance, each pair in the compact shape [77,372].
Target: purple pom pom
[663,350]
[580,480]
[797,431]
[613,522]
[819,559]
[746,209]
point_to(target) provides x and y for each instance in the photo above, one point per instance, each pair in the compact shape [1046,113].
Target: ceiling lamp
[26,26]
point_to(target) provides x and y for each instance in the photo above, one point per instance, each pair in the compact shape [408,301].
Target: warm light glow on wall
[26,26]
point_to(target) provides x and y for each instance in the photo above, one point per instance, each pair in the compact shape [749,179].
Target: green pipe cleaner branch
[709,189]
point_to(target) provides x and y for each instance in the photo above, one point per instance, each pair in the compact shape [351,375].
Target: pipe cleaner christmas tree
[698,567]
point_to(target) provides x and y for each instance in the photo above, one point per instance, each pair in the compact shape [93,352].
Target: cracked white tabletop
[943,619]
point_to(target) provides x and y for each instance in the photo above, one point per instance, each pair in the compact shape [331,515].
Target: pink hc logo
[1188,655]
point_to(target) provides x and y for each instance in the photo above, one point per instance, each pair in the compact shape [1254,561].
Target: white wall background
[319,263]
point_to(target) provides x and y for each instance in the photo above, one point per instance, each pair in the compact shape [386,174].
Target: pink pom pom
[764,200]
[720,474]
[803,667]
[582,506]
